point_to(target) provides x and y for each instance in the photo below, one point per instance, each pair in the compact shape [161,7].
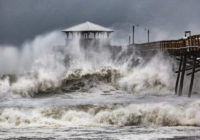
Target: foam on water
[48,66]
[145,114]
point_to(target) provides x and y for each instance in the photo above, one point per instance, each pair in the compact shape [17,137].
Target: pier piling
[178,75]
[182,74]
[192,77]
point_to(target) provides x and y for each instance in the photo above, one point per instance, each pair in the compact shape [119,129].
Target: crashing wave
[139,81]
[75,80]
[154,114]
[46,65]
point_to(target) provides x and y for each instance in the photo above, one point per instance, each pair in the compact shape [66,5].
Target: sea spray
[40,65]
[69,87]
[152,77]
[46,63]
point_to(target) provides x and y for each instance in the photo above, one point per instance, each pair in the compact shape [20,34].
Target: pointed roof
[87,27]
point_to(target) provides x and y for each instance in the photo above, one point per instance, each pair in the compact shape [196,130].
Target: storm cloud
[22,20]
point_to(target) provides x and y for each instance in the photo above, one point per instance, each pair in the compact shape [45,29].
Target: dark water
[106,133]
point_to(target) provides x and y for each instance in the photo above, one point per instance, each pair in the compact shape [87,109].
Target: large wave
[47,65]
[153,114]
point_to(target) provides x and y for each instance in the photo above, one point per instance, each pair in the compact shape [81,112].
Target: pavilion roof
[87,27]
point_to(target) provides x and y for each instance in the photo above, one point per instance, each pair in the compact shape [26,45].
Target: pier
[187,53]
[185,50]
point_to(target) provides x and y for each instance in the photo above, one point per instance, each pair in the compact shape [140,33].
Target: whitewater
[53,90]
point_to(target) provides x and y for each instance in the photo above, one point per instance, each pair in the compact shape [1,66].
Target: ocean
[49,90]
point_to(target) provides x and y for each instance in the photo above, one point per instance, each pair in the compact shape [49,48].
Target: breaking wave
[155,114]
[47,65]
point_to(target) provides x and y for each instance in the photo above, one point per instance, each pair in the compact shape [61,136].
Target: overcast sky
[22,20]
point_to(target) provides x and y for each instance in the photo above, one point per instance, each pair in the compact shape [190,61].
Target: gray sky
[22,20]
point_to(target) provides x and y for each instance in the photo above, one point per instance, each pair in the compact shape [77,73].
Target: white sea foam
[153,114]
[48,65]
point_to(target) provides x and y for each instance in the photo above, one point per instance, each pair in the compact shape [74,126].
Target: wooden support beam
[186,69]
[194,72]
[192,77]
[182,74]
[178,75]
[190,67]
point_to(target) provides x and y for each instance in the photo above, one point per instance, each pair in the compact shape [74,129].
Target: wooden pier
[187,53]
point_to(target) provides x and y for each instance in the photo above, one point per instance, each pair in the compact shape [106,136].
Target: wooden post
[192,76]
[133,41]
[182,74]
[87,35]
[178,76]
[67,35]
[95,35]
[148,33]
[108,34]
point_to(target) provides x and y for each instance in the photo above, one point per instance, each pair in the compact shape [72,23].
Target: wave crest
[157,114]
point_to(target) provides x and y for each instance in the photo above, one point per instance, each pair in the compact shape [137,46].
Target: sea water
[50,90]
